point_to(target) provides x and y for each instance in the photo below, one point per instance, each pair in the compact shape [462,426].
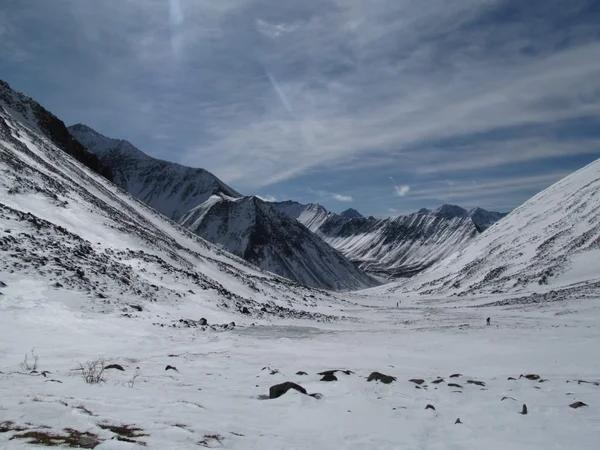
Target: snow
[61,223]
[545,245]
[397,246]
[220,377]
[170,188]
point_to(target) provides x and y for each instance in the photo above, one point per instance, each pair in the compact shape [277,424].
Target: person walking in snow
[488,320]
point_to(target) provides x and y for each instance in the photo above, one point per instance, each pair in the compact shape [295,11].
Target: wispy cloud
[267,198]
[402,191]
[332,195]
[263,92]
[342,198]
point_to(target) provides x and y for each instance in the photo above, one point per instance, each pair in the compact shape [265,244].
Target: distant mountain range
[245,226]
[262,233]
[545,250]
[395,246]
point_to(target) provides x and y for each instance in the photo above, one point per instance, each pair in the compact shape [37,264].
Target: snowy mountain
[256,231]
[351,213]
[550,242]
[396,246]
[39,119]
[170,188]
[70,232]
[249,228]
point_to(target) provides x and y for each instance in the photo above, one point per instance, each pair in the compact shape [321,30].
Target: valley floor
[212,400]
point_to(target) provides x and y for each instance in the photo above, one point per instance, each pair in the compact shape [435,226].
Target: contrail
[176,21]
[280,94]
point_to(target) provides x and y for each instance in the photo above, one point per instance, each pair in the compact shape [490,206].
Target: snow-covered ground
[220,376]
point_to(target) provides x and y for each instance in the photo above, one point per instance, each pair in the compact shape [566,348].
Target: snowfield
[221,376]
[90,274]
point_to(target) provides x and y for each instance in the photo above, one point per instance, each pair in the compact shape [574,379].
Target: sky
[385,106]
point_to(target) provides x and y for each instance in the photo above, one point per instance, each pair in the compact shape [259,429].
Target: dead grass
[85,410]
[8,426]
[210,439]
[127,431]
[72,438]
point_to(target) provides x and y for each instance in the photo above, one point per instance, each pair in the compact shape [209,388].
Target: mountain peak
[351,213]
[450,211]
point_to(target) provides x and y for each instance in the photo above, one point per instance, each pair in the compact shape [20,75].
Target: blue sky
[385,106]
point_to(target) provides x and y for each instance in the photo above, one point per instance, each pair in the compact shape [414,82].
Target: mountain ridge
[397,246]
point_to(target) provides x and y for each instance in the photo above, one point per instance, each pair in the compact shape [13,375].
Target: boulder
[577,405]
[430,407]
[532,377]
[203,322]
[524,410]
[171,368]
[455,375]
[478,383]
[300,372]
[331,372]
[377,376]
[329,377]
[418,381]
[115,366]
[454,385]
[278,390]
[438,381]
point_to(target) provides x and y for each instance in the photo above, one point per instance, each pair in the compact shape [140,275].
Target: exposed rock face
[258,232]
[396,246]
[40,119]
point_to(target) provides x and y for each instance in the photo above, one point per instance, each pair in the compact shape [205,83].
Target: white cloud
[267,198]
[366,81]
[402,191]
[342,198]
[333,195]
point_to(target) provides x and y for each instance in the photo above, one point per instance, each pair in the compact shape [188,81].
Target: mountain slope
[253,229]
[552,240]
[170,188]
[64,228]
[396,246]
[36,117]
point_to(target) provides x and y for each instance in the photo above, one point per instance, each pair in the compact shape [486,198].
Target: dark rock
[430,407]
[438,381]
[331,372]
[456,375]
[203,322]
[246,311]
[329,377]
[478,383]
[301,373]
[3,284]
[136,307]
[115,366]
[524,410]
[577,405]
[58,285]
[507,398]
[457,421]
[377,376]
[511,378]
[532,377]
[279,389]
[455,385]
[171,368]
[418,381]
